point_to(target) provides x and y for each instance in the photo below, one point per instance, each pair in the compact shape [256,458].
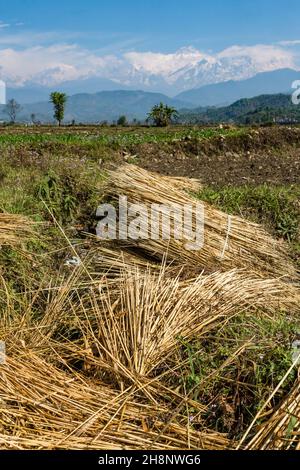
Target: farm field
[139,346]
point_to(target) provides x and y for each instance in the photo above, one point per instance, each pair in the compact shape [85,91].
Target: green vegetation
[112,136]
[122,121]
[58,100]
[67,184]
[275,207]
[162,115]
[235,368]
[259,110]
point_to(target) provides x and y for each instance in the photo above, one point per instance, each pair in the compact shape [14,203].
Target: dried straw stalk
[43,407]
[282,430]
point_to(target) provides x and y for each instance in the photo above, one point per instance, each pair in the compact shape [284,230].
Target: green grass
[276,207]
[118,138]
[235,386]
[70,188]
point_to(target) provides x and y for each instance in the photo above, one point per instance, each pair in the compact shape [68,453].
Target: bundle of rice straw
[229,241]
[14,229]
[125,333]
[134,324]
[129,330]
[140,329]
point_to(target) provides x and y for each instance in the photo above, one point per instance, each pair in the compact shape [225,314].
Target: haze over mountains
[34,93]
[87,104]
[214,94]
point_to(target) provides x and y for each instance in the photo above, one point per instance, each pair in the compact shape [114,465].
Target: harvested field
[146,344]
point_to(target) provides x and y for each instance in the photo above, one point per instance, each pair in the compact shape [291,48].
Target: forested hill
[264,108]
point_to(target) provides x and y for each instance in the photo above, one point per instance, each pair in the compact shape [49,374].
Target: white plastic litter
[73,262]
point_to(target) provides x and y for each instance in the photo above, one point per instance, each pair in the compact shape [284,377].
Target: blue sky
[159,25]
[69,39]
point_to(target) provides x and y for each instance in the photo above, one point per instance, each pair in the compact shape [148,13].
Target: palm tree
[162,114]
[171,113]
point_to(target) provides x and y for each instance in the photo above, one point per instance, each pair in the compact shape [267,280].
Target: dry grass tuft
[14,229]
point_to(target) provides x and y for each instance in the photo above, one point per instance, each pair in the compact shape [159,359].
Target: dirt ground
[263,156]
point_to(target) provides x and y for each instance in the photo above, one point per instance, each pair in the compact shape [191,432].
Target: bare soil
[266,155]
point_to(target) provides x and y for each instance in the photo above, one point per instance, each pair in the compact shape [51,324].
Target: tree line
[161,115]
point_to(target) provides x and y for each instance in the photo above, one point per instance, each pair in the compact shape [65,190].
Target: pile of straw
[131,325]
[140,319]
[229,241]
[89,372]
[46,403]
[43,407]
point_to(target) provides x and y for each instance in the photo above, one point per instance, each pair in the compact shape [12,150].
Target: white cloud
[295,42]
[263,57]
[28,39]
[4,25]
[53,64]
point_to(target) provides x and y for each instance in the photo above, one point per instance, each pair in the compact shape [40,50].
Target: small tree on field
[12,108]
[122,121]
[58,100]
[162,115]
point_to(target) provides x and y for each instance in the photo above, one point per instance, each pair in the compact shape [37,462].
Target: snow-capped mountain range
[34,72]
[189,68]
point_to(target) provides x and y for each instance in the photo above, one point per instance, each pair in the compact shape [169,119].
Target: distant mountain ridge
[225,93]
[30,94]
[218,94]
[169,73]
